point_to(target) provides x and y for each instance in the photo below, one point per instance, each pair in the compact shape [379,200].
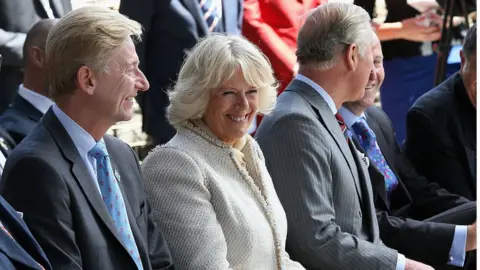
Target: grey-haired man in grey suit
[319,175]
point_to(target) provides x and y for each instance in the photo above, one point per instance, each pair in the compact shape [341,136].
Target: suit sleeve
[302,176]
[432,156]
[11,48]
[429,199]
[432,244]
[158,250]
[259,32]
[32,186]
[182,208]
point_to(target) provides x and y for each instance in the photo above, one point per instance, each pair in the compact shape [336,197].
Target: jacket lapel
[193,7]
[377,178]
[23,105]
[79,169]
[16,249]
[327,118]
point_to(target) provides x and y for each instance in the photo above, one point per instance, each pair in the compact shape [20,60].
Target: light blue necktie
[368,141]
[113,199]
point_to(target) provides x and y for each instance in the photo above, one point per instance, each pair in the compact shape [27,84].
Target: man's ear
[37,56]
[462,59]
[351,57]
[86,80]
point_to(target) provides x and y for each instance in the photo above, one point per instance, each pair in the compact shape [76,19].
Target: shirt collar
[349,117]
[81,138]
[320,90]
[40,102]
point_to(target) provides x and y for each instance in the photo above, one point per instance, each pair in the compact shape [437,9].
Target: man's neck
[85,118]
[35,85]
[356,109]
[328,80]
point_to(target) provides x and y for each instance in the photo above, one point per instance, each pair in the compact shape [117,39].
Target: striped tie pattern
[210,13]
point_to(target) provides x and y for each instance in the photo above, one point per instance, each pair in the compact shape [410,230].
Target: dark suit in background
[63,207]
[20,118]
[16,19]
[18,248]
[441,137]
[6,143]
[401,214]
[172,28]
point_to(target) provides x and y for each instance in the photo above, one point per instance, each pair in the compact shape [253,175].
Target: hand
[414,265]
[413,29]
[471,237]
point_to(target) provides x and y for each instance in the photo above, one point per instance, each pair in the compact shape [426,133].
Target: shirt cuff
[400,262]
[457,252]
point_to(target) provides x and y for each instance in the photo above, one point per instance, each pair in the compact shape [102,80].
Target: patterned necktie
[112,197]
[10,235]
[369,143]
[210,13]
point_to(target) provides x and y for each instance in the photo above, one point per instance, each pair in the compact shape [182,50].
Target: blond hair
[212,62]
[87,36]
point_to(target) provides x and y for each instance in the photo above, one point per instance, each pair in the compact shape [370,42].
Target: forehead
[126,53]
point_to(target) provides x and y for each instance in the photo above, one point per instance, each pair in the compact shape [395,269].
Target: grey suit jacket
[323,185]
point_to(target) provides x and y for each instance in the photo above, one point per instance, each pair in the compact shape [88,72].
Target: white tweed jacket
[215,213]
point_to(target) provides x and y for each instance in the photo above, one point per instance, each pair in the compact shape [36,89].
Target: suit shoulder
[437,101]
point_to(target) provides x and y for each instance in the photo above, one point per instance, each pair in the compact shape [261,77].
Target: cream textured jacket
[216,211]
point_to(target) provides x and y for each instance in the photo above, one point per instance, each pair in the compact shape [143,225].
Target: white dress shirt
[83,141]
[40,102]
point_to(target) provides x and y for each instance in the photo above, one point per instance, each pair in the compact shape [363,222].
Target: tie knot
[341,121]
[363,130]
[99,150]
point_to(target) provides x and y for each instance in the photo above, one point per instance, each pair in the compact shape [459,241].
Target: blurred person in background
[409,60]
[210,190]
[16,19]
[442,127]
[172,28]
[32,100]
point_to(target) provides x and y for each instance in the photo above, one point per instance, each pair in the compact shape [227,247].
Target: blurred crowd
[267,148]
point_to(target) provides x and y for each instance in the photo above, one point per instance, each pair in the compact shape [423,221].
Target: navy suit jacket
[64,209]
[24,252]
[441,137]
[20,118]
[172,28]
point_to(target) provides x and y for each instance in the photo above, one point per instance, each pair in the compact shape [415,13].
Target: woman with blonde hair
[209,187]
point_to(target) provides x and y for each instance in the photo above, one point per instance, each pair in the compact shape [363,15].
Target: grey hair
[212,62]
[328,30]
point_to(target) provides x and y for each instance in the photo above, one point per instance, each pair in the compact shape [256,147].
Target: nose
[242,102]
[142,83]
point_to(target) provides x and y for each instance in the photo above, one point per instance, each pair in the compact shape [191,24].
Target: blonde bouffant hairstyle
[212,62]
